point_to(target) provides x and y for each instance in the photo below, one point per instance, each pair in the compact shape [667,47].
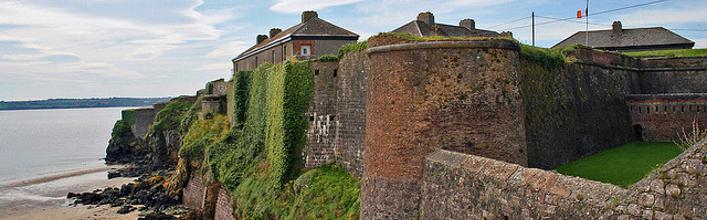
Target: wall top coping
[667,96]
[496,44]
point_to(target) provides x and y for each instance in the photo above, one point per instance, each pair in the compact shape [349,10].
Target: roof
[655,36]
[314,27]
[422,29]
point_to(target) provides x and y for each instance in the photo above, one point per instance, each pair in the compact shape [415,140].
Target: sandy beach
[47,199]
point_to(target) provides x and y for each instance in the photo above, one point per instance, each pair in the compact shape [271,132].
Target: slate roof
[422,29]
[314,27]
[638,37]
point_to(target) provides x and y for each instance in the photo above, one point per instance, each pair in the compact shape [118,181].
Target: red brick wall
[461,96]
[665,117]
[224,206]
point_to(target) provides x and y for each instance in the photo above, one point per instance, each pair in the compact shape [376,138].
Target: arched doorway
[638,132]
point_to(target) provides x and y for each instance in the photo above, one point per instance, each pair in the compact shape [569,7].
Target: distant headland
[64,103]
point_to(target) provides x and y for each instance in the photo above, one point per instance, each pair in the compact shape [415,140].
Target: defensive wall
[665,117]
[462,96]
[439,128]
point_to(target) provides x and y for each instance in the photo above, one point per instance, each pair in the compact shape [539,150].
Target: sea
[45,154]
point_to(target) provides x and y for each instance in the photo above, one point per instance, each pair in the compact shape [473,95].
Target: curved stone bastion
[461,96]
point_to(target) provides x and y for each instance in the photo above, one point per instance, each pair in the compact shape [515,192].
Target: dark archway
[638,132]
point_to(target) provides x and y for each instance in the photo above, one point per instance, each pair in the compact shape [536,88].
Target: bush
[201,135]
[352,47]
[328,58]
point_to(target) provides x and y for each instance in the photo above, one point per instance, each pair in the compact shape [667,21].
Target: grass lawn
[623,165]
[670,53]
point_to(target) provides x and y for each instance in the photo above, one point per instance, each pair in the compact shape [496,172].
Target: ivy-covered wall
[259,160]
[572,109]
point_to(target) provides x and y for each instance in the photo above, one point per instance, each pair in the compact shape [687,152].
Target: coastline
[45,197]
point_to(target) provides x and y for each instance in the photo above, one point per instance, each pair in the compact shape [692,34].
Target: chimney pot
[260,38]
[426,17]
[306,15]
[274,31]
[616,27]
[468,24]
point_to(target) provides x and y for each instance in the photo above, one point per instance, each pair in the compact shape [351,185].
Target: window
[305,50]
[284,52]
[335,71]
[273,56]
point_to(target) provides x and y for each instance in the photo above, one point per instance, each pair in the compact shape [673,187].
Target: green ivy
[129,116]
[170,117]
[328,58]
[201,135]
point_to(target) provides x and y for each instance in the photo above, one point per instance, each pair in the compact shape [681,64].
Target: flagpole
[586,32]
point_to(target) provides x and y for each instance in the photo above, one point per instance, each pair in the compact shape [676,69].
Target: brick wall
[459,186]
[224,206]
[462,96]
[665,117]
[194,195]
[322,114]
[350,118]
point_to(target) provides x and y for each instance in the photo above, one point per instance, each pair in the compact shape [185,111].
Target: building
[636,39]
[310,38]
[425,26]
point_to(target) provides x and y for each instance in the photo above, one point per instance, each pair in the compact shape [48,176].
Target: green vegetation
[623,165]
[170,117]
[325,193]
[352,47]
[670,53]
[201,135]
[80,103]
[328,58]
[120,129]
[410,37]
[129,116]
[550,58]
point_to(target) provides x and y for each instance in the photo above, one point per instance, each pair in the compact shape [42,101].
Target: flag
[579,13]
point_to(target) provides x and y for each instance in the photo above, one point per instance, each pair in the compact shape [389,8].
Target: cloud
[666,16]
[297,6]
[51,38]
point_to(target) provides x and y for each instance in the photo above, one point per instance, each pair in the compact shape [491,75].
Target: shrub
[328,58]
[352,47]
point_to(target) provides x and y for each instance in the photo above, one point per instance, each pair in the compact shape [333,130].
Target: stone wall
[665,117]
[143,119]
[322,113]
[673,75]
[457,95]
[351,111]
[224,206]
[217,87]
[460,186]
[194,194]
[574,110]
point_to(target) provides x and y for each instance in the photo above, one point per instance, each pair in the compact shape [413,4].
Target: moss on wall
[352,47]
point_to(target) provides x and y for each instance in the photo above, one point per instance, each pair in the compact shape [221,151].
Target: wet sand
[45,198]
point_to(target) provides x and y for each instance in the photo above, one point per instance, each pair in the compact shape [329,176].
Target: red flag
[579,13]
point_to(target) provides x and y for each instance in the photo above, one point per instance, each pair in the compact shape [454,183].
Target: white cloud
[297,6]
[660,17]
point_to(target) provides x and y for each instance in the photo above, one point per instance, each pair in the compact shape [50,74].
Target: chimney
[306,15]
[426,17]
[616,27]
[274,31]
[468,24]
[260,38]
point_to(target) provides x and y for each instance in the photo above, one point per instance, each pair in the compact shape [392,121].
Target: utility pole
[533,15]
[586,32]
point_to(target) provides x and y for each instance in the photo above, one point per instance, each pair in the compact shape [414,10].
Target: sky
[159,48]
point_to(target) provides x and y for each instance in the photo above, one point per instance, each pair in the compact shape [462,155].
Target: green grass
[623,165]
[670,53]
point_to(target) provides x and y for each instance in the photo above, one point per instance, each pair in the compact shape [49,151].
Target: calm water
[46,142]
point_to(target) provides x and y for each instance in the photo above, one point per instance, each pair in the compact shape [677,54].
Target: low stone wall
[224,206]
[665,117]
[217,87]
[194,195]
[461,186]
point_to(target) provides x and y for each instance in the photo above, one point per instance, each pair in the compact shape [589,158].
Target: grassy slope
[622,165]
[670,53]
